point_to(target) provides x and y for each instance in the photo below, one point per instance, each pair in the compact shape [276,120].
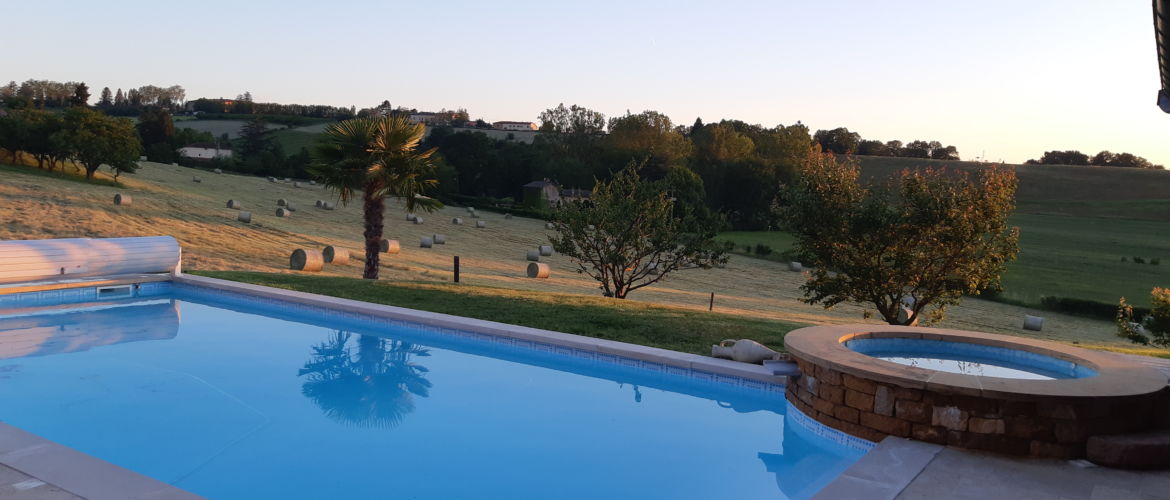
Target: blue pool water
[238,398]
[970,359]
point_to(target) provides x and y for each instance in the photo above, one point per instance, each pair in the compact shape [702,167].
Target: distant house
[575,194]
[541,194]
[527,126]
[426,118]
[205,151]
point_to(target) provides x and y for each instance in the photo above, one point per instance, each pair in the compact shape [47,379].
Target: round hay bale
[123,199]
[418,220]
[218,171]
[795,267]
[272,179]
[196,179]
[296,184]
[336,255]
[480,224]
[439,239]
[234,204]
[312,183]
[545,250]
[1034,323]
[425,242]
[320,203]
[411,217]
[549,225]
[328,206]
[508,216]
[538,270]
[457,221]
[473,214]
[283,212]
[306,260]
[290,207]
[287,179]
[245,217]
[533,255]
[390,246]
[470,210]
[281,202]
[141,158]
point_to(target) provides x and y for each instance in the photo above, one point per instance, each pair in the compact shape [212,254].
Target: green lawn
[778,241]
[626,321]
[1063,256]
[220,127]
[1080,257]
[292,140]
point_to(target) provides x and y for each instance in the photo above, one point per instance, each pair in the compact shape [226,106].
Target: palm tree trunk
[373,207]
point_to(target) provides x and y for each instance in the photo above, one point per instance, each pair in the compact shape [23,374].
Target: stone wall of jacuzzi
[1038,425]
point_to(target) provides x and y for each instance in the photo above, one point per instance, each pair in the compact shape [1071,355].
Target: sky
[1001,80]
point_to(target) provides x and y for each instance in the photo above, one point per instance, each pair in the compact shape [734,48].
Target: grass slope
[167,202]
[1061,189]
[293,140]
[626,321]
[220,127]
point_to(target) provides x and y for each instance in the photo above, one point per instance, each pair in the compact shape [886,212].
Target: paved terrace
[913,470]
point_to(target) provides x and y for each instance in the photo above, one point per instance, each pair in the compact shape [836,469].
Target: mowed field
[166,201]
[1076,224]
[219,127]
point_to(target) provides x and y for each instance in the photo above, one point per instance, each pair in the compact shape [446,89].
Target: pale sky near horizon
[1008,79]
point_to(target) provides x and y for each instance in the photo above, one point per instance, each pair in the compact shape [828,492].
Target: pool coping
[79,473]
[611,347]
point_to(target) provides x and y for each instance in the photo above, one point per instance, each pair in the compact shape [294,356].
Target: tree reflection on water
[372,384]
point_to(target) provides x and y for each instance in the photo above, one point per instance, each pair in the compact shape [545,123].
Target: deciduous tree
[839,140]
[96,139]
[629,236]
[1152,328]
[919,242]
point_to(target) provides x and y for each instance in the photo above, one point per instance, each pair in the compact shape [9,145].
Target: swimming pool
[969,359]
[231,396]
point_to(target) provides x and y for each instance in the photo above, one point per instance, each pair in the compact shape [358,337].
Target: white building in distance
[425,118]
[204,151]
[525,126]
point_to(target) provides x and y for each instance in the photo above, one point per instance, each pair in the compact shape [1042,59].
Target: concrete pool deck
[901,469]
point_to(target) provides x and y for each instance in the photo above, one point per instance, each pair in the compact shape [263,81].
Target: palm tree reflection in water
[372,386]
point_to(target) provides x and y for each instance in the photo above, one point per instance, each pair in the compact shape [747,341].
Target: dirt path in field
[167,201]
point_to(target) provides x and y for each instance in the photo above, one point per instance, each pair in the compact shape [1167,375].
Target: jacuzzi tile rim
[823,431]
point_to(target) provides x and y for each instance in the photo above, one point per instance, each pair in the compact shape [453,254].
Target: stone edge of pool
[871,398]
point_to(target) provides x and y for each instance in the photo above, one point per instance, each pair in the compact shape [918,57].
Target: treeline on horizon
[1101,159]
[737,167]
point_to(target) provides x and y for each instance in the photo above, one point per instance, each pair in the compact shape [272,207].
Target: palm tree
[379,157]
[372,387]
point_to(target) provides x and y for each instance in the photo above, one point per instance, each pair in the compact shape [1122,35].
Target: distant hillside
[1062,189]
